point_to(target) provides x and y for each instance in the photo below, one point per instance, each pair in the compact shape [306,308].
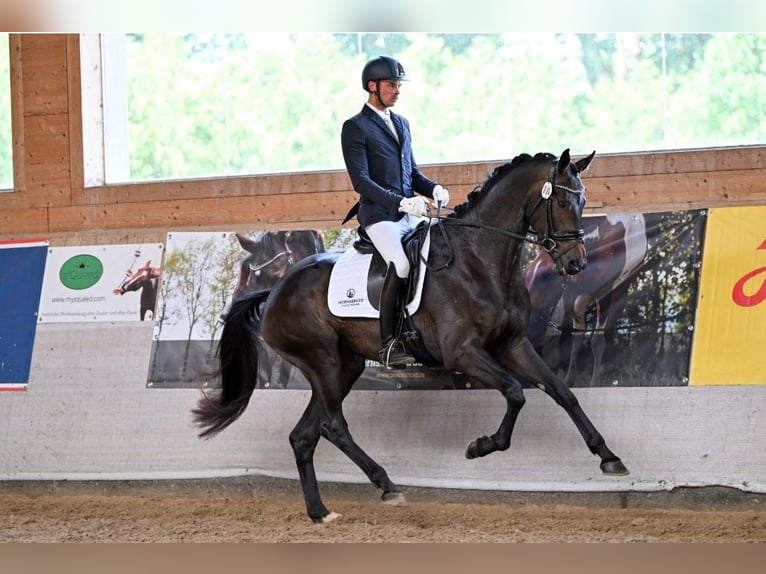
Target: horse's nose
[576,265]
[573,267]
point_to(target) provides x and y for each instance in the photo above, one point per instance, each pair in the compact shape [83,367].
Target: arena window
[211,105]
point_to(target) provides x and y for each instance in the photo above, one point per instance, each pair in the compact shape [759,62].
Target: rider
[377,150]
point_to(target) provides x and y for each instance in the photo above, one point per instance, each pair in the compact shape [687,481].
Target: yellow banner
[730,338]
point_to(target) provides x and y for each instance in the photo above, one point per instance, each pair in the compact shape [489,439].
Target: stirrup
[393,356]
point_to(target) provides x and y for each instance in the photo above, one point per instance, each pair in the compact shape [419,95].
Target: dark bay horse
[146,279]
[567,309]
[472,319]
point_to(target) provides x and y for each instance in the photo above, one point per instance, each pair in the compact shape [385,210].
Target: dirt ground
[271,510]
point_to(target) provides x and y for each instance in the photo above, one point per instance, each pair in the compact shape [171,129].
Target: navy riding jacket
[382,170]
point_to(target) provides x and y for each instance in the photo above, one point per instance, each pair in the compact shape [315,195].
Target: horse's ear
[583,164]
[564,161]
[246,242]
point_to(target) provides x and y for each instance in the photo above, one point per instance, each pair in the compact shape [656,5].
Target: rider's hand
[441,195]
[414,206]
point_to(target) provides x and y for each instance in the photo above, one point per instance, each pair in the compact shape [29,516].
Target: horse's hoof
[478,447]
[614,467]
[394,499]
[330,517]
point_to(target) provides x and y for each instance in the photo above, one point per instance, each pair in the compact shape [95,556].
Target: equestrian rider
[377,150]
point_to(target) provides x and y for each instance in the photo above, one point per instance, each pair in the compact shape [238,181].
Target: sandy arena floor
[271,510]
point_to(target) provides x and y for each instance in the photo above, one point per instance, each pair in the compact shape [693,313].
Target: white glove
[441,195]
[414,206]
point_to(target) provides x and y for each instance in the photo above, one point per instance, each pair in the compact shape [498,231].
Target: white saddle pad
[347,293]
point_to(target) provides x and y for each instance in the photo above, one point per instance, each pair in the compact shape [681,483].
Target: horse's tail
[238,360]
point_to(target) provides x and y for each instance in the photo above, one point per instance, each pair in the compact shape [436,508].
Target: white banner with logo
[101,283]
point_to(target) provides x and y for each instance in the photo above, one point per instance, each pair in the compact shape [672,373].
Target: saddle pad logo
[351,299]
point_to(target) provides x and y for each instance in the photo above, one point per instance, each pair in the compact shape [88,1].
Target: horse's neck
[501,216]
[503,205]
[499,254]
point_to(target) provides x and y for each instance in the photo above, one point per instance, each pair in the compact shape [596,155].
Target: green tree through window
[236,104]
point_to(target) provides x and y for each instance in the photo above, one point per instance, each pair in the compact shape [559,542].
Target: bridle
[548,241]
[255,270]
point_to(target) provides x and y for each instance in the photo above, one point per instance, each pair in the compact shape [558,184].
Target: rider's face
[389,92]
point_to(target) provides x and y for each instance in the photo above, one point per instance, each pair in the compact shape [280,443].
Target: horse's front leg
[522,359]
[480,367]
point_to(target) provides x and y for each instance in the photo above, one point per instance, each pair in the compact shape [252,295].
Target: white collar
[385,114]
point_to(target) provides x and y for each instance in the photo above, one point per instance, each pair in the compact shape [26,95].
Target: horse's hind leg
[335,429]
[324,417]
[304,439]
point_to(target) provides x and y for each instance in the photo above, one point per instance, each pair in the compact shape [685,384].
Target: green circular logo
[81,272]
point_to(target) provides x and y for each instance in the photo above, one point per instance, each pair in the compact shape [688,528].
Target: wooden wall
[50,199]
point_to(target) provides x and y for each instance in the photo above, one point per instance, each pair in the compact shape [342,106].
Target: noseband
[256,269]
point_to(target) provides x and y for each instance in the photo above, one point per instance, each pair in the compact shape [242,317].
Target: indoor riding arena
[117,269]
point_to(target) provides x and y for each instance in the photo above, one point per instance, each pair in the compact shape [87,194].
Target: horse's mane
[497,174]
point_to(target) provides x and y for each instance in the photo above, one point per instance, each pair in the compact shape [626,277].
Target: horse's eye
[562,204]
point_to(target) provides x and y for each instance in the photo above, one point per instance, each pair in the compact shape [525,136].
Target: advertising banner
[22,265]
[626,320]
[101,283]
[731,318]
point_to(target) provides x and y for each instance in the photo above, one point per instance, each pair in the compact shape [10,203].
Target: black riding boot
[392,353]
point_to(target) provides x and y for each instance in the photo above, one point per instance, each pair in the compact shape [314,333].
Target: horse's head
[268,258]
[271,253]
[556,215]
[139,278]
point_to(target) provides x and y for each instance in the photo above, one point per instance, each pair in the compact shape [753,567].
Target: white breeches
[387,238]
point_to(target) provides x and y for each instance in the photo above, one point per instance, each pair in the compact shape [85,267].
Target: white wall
[87,414]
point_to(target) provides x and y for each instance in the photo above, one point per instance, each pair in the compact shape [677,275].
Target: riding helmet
[382,68]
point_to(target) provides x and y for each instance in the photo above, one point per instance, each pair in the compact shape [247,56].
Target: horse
[472,319]
[146,279]
[566,310]
[270,254]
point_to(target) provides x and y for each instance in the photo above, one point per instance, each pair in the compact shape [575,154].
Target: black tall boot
[392,354]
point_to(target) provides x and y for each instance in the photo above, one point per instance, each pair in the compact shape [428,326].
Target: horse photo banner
[731,320]
[100,283]
[628,318]
[22,266]
[202,272]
